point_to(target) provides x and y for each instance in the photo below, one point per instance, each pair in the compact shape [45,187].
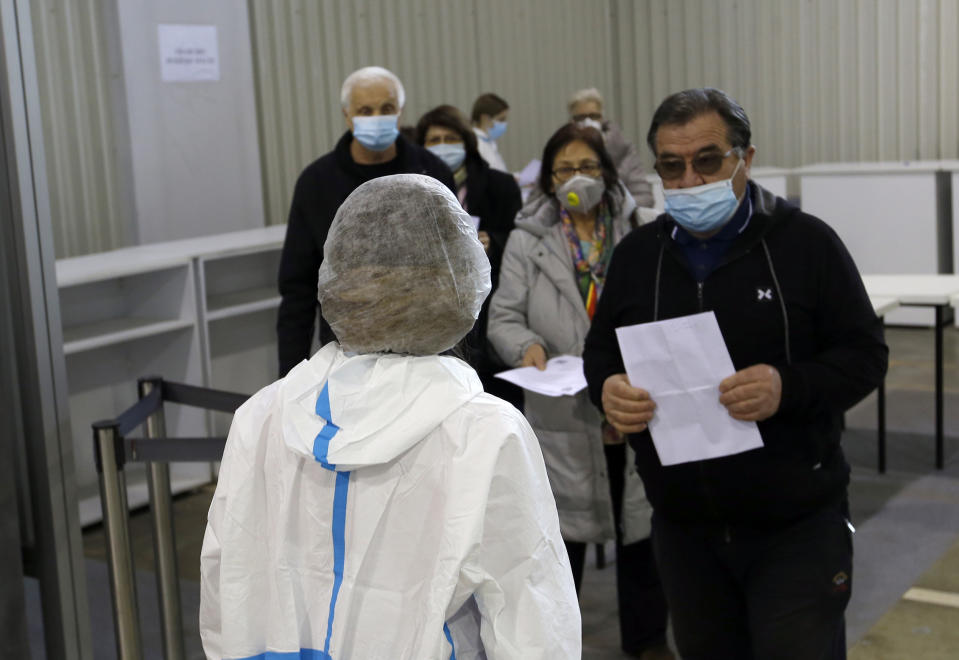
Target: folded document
[563,377]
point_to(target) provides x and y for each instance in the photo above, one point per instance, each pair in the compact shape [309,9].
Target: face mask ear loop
[733,175]
[782,301]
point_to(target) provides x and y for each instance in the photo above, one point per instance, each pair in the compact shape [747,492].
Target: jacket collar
[477,180]
[345,159]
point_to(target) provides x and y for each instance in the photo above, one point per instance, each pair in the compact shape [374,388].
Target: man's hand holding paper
[752,394]
[684,366]
[627,408]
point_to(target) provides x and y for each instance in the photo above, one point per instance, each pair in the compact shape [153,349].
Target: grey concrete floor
[907,531]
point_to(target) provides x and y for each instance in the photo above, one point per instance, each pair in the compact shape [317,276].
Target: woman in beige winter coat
[551,276]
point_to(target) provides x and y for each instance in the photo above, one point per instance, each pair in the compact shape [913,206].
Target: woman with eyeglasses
[551,277]
[492,198]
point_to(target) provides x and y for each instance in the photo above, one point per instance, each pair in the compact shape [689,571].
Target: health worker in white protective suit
[375,502]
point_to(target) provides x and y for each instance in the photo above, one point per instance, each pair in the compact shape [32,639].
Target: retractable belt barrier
[112,451]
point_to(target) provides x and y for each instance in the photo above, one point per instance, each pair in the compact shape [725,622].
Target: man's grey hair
[588,94]
[682,107]
[370,74]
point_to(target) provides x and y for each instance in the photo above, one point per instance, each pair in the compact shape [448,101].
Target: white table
[937,291]
[882,306]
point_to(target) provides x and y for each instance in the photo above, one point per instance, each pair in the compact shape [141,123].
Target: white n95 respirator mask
[581,193]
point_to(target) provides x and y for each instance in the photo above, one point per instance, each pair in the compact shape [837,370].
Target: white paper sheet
[563,376]
[529,174]
[681,362]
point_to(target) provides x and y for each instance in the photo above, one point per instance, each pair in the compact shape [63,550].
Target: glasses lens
[563,172]
[670,169]
[708,163]
[590,169]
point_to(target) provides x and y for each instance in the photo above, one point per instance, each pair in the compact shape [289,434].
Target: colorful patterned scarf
[591,268]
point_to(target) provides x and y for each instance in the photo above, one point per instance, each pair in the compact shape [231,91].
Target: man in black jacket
[372,99]
[754,549]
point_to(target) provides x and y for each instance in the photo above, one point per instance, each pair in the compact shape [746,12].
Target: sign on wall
[188,53]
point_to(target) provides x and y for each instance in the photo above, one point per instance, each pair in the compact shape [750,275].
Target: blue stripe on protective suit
[449,638]
[340,494]
[321,446]
[339,545]
[302,654]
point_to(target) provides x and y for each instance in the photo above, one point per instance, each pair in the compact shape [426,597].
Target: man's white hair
[370,74]
[588,94]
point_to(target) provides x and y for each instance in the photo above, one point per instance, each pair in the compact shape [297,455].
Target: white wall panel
[90,192]
[822,81]
[948,85]
[195,162]
[533,53]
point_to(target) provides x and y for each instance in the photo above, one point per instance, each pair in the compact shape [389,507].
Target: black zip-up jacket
[784,260]
[322,187]
[495,198]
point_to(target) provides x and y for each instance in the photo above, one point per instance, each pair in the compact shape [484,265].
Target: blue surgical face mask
[496,130]
[376,133]
[703,208]
[451,154]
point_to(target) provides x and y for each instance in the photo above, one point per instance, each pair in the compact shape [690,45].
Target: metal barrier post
[164,546]
[108,450]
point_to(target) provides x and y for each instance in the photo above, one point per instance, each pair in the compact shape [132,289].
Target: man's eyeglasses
[705,163]
[589,168]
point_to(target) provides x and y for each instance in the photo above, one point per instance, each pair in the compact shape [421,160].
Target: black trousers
[740,593]
[642,605]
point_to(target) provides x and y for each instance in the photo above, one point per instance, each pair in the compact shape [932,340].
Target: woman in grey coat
[551,276]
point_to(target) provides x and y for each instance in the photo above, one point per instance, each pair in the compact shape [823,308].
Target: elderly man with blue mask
[372,101]
[375,503]
[754,549]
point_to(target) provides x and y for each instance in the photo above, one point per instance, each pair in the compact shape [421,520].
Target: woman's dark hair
[409,132]
[594,140]
[488,104]
[682,107]
[449,117]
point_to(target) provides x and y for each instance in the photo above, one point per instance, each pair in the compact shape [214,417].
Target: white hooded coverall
[383,506]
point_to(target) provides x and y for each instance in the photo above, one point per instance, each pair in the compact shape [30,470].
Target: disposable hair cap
[403,270]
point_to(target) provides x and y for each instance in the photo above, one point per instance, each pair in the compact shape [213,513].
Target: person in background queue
[492,199]
[586,109]
[552,276]
[489,116]
[372,100]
